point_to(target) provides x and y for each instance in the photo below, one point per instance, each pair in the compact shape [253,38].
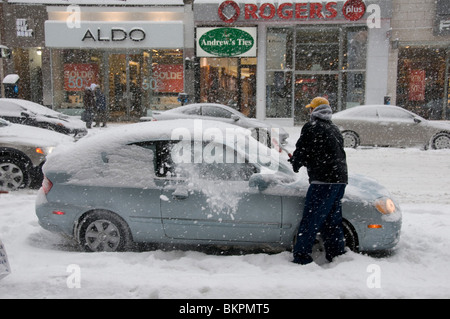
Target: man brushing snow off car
[320,149]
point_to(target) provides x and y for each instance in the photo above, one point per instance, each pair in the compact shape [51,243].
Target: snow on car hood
[32,135]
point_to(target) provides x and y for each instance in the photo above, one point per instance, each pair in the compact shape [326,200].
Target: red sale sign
[169,78]
[416,85]
[78,76]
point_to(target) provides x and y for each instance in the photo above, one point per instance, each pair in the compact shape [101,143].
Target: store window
[304,62]
[229,81]
[423,83]
[279,64]
[133,82]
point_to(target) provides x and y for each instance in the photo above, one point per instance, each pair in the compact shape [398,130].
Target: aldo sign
[226,42]
[105,35]
[115,34]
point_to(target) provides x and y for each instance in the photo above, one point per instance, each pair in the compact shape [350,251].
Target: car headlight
[44,150]
[385,205]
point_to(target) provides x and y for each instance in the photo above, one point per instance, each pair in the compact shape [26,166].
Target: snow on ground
[47,266]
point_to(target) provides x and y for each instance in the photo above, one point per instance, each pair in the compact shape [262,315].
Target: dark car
[33,114]
[23,151]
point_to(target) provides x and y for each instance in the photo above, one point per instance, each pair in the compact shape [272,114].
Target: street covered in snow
[45,265]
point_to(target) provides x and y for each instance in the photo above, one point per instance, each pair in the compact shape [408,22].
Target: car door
[400,128]
[212,201]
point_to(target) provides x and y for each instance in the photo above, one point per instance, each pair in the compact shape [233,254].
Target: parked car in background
[33,114]
[223,113]
[389,125]
[23,150]
[170,182]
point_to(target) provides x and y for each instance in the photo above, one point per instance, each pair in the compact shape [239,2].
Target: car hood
[359,188]
[67,121]
[440,125]
[25,134]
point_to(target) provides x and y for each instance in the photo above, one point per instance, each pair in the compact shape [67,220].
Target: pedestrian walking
[89,107]
[320,149]
[101,114]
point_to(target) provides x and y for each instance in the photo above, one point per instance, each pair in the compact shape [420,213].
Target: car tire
[351,139]
[441,141]
[350,237]
[13,173]
[104,231]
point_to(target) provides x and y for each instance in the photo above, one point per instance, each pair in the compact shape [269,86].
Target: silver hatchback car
[193,182]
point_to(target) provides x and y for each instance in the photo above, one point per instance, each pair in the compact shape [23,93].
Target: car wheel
[350,237]
[104,231]
[13,174]
[441,141]
[351,139]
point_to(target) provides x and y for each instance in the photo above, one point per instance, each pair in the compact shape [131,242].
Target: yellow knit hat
[318,101]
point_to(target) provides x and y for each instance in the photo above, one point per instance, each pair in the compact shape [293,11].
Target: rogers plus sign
[354,10]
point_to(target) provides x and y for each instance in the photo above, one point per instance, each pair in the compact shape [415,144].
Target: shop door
[310,86]
[125,78]
[229,81]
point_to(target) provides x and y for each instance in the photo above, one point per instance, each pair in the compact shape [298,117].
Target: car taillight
[46,185]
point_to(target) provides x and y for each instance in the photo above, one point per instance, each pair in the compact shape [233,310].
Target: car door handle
[180,194]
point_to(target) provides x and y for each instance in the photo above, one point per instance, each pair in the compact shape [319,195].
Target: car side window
[214,111]
[162,162]
[369,113]
[208,161]
[394,114]
[196,110]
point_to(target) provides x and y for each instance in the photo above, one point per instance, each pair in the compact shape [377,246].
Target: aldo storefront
[269,59]
[134,53]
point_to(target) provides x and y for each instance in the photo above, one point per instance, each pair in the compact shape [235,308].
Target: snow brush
[277,146]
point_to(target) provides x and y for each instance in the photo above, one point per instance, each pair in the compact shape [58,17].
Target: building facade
[419,57]
[134,51]
[143,54]
[337,49]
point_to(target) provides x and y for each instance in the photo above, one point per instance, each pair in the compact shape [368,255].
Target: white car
[223,113]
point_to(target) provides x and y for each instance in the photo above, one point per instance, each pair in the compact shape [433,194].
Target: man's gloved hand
[294,164]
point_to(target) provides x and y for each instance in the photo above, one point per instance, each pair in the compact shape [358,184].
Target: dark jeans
[322,213]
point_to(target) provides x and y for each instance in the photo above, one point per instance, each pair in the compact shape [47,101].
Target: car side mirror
[259,181]
[25,114]
[417,120]
[234,117]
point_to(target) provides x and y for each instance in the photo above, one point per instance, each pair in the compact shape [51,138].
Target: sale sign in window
[416,85]
[78,76]
[169,77]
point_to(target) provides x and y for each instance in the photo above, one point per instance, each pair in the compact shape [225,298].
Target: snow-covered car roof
[86,151]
